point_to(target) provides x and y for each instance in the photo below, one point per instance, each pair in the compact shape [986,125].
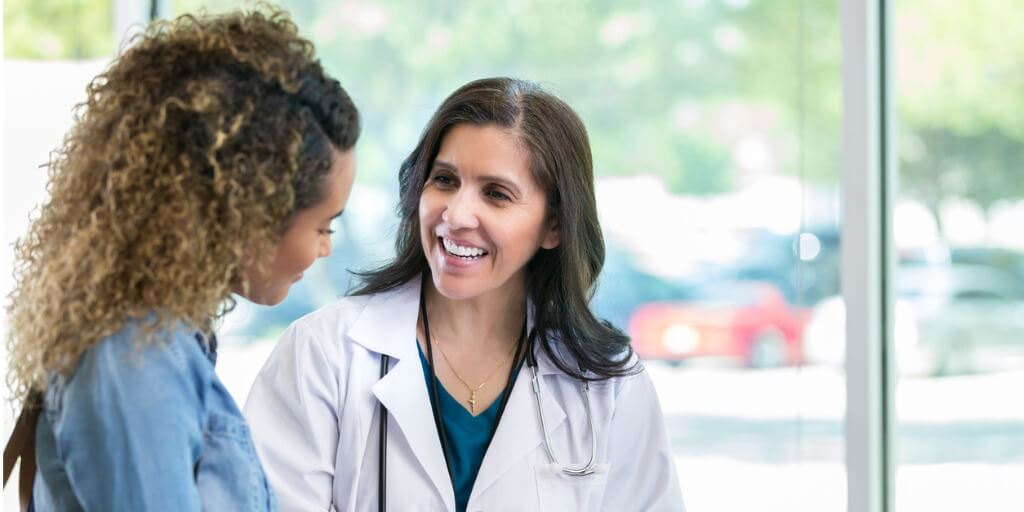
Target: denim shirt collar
[208,345]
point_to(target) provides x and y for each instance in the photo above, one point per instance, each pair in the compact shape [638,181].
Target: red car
[749,321]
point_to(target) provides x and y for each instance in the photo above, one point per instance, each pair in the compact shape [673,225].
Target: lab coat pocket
[557,491]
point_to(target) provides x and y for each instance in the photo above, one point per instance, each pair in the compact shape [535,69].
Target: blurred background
[715,126]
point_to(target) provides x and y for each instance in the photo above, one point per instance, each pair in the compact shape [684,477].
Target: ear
[552,235]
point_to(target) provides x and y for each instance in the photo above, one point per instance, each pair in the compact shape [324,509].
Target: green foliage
[961,65]
[938,163]
[47,30]
[669,87]
[960,93]
[626,70]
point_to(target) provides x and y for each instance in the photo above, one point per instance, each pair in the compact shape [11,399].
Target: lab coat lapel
[404,392]
[519,431]
[388,326]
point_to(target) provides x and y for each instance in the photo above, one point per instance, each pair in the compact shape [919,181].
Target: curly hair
[187,160]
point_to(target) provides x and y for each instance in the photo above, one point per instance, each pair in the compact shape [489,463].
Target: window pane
[715,131]
[959,337]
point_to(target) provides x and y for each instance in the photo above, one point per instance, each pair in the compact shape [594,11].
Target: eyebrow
[336,215]
[486,177]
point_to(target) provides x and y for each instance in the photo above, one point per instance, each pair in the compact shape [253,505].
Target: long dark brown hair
[560,281]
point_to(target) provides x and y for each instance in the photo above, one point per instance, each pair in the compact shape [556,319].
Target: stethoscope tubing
[531,361]
[382,455]
[586,469]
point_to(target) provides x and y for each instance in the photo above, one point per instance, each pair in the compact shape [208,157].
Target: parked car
[949,319]
[825,337]
[622,285]
[970,317]
[803,275]
[1009,260]
[747,321]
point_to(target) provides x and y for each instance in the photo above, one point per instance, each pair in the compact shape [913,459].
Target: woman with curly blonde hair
[209,159]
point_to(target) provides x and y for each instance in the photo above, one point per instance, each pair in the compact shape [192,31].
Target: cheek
[313,248]
[429,212]
[428,203]
[297,256]
[310,256]
[521,236]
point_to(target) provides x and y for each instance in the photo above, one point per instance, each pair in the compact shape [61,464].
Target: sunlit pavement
[773,439]
[724,484]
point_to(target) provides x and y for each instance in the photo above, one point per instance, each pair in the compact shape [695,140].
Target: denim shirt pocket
[228,474]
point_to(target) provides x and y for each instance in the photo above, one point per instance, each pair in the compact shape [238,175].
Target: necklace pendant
[472,402]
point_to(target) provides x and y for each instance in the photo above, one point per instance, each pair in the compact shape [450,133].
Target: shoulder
[139,352]
[637,381]
[135,366]
[325,333]
[629,362]
[337,320]
[335,317]
[325,329]
[636,384]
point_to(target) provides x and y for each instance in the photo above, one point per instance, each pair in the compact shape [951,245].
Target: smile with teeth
[467,253]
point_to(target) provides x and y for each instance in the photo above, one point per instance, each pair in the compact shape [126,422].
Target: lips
[455,264]
[462,249]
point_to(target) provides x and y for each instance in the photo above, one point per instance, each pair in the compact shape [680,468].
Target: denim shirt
[146,427]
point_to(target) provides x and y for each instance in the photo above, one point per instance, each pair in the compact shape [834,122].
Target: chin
[452,288]
[268,297]
[273,302]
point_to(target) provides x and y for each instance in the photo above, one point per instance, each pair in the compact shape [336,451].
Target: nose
[325,247]
[460,212]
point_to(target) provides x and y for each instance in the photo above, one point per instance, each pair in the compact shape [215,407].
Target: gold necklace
[472,390]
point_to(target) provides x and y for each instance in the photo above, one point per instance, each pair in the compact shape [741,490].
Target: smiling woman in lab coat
[498,251]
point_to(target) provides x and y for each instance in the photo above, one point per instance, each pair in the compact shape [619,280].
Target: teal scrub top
[468,436]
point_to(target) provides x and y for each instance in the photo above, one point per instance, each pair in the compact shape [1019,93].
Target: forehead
[485,150]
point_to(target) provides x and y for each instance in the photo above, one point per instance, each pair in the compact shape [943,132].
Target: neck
[491,322]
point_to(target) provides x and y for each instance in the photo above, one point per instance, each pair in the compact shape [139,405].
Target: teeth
[465,252]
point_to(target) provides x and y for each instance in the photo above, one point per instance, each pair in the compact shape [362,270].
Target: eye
[327,229]
[498,195]
[443,180]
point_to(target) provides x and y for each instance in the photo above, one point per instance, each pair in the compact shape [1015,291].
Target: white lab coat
[313,414]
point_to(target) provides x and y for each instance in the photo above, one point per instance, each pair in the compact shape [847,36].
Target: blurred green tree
[46,30]
[668,88]
[960,85]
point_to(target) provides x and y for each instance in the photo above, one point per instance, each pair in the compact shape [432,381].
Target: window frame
[867,257]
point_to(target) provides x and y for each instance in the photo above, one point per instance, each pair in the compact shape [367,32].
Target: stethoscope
[531,361]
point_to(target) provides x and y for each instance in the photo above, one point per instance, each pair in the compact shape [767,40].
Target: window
[959,425]
[717,131]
